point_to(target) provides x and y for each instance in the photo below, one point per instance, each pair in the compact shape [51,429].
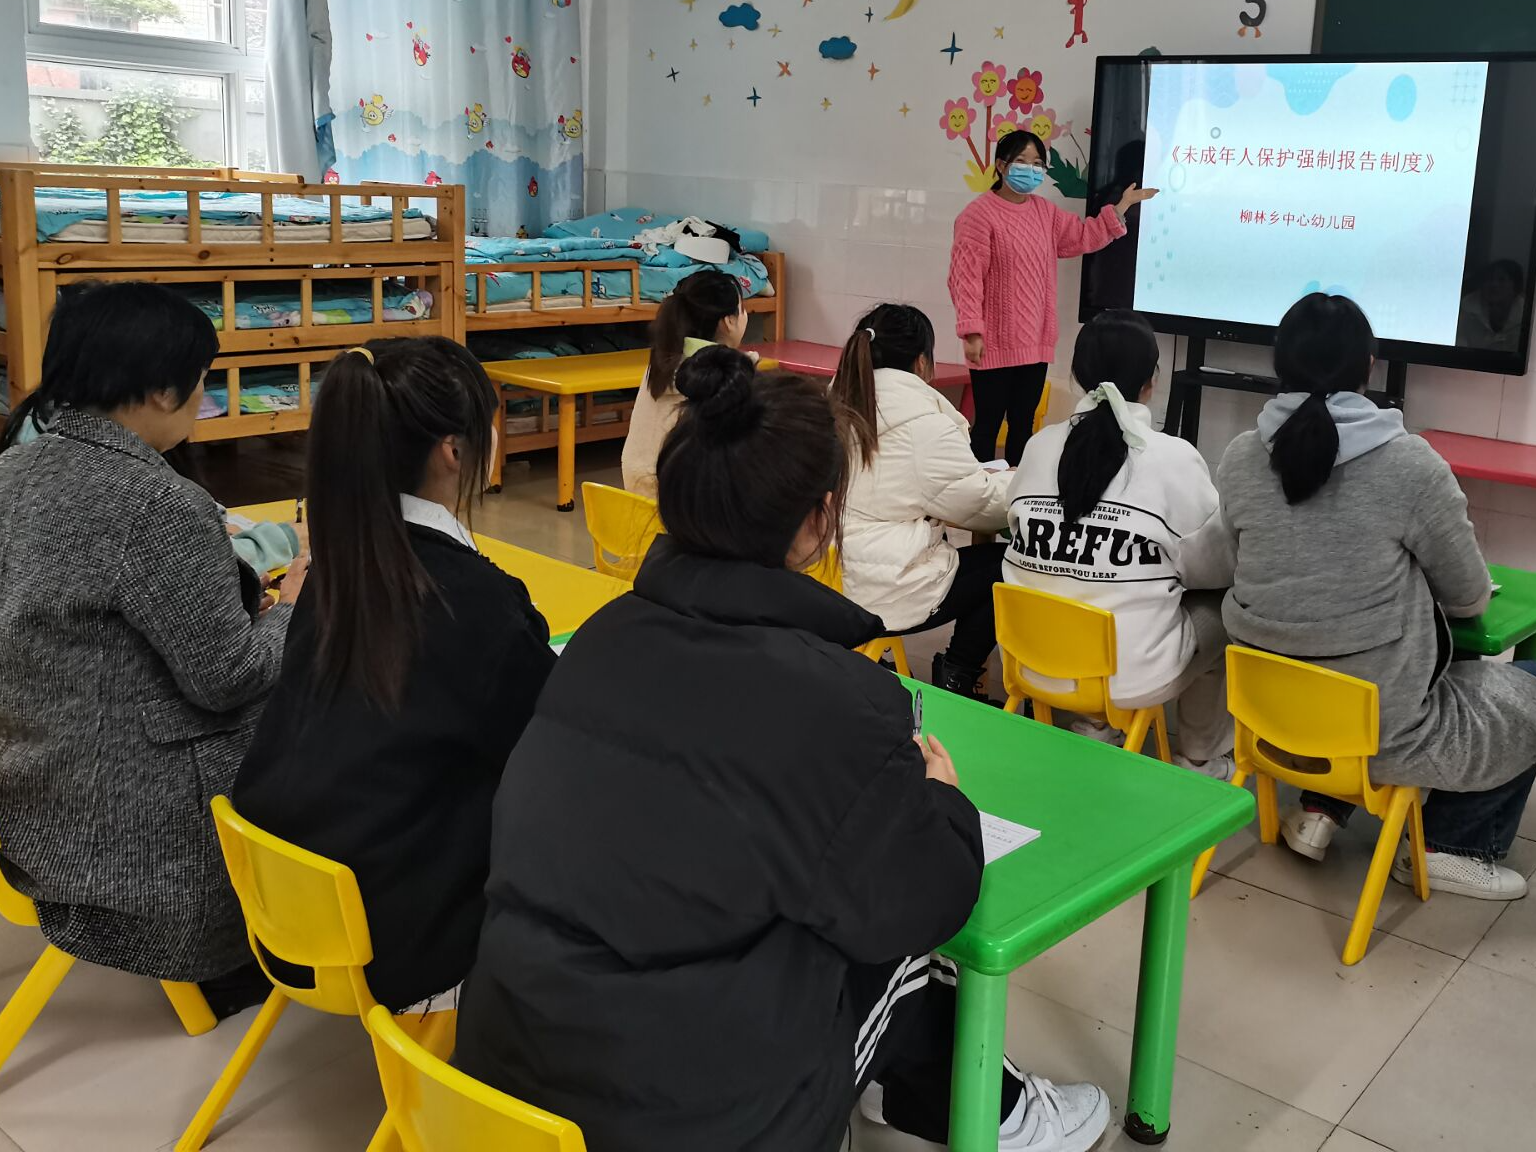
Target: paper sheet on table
[243,523]
[996,466]
[1000,837]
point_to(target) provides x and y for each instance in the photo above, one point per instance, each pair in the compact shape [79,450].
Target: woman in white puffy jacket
[914,474]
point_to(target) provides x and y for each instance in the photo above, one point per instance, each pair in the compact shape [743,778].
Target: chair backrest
[15,907]
[1046,637]
[623,526]
[437,1108]
[303,909]
[1289,706]
[828,570]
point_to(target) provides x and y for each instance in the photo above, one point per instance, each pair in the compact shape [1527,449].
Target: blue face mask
[1022,179]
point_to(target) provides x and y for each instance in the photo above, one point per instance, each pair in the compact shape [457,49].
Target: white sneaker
[1217,767]
[1047,1118]
[872,1103]
[1465,876]
[1307,833]
[1055,1117]
[1096,730]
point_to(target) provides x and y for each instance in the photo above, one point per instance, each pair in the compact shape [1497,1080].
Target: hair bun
[717,382]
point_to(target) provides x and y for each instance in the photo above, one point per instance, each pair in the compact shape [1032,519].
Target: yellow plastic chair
[829,571]
[622,525]
[437,1108]
[307,911]
[1284,705]
[22,1009]
[1059,639]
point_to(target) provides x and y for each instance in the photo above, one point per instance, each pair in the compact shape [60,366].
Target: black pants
[906,1043]
[998,392]
[1477,824]
[968,604]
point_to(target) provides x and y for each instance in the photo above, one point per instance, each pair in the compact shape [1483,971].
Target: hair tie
[363,352]
[1107,393]
[871,332]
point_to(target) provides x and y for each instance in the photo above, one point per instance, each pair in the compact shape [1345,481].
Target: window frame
[232,63]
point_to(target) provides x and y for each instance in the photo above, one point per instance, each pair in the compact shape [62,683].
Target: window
[163,83]
[255,117]
[179,19]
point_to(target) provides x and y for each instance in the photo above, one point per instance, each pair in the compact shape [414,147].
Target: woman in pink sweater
[1002,279]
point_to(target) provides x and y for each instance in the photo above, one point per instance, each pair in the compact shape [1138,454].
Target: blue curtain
[484,93]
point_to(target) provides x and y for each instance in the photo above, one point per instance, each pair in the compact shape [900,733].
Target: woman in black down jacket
[719,859]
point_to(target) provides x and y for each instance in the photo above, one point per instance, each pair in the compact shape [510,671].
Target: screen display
[1406,185]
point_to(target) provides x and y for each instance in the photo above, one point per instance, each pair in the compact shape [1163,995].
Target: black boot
[960,679]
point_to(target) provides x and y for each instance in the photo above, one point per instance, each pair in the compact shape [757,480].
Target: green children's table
[1112,824]
[1509,622]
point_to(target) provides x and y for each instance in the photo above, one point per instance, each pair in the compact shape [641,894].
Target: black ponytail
[1324,345]
[1118,348]
[695,308]
[380,413]
[888,336]
[112,344]
[750,458]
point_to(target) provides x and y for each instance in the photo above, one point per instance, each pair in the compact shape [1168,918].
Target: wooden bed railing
[19,185]
[484,316]
[31,270]
[539,269]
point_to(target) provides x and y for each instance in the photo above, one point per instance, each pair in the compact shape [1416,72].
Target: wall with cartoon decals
[853,131]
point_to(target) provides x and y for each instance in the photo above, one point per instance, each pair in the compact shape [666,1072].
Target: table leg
[1526,649]
[565,462]
[976,1080]
[1155,1042]
[1173,414]
[1189,419]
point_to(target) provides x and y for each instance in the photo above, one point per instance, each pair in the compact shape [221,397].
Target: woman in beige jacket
[703,309]
[914,474]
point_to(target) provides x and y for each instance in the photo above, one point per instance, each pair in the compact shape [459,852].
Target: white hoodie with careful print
[1155,533]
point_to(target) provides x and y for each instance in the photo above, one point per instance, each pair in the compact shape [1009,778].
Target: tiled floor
[1428,1044]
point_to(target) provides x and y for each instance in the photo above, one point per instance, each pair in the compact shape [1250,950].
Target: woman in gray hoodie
[1352,547]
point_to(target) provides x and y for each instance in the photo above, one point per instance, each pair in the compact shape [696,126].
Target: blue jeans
[1478,824]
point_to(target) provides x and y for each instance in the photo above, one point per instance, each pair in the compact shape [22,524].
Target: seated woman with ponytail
[412,666]
[1353,545]
[1109,511]
[704,309]
[132,671]
[712,899]
[914,474]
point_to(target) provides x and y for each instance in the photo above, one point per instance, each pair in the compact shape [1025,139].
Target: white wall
[15,135]
[863,199]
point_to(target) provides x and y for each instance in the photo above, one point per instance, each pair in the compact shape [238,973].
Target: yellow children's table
[566,378]
[564,594]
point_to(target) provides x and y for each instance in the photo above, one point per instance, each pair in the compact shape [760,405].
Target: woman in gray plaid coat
[131,673]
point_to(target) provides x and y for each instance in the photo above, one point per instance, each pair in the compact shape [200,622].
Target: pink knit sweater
[1002,272]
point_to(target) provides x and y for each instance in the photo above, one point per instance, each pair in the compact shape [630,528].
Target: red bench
[1479,458]
[821,360]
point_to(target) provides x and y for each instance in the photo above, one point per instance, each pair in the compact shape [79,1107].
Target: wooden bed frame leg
[565,464]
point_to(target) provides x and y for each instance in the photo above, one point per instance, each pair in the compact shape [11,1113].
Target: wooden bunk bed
[210,258]
[599,417]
